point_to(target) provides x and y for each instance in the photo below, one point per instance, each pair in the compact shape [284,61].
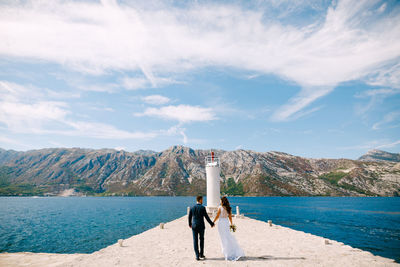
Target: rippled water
[368,223]
[84,225]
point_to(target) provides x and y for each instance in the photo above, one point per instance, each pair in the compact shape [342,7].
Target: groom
[197,213]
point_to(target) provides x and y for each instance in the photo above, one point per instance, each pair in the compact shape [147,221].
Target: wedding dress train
[230,247]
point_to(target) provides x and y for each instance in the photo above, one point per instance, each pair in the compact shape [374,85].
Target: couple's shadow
[260,258]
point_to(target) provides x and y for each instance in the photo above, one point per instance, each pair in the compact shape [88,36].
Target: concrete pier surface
[263,245]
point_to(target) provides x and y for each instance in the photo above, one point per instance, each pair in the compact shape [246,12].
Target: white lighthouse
[213,171]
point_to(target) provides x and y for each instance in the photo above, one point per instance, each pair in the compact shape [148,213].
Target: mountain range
[180,170]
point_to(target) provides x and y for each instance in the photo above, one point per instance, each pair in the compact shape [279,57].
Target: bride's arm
[216,217]
[230,218]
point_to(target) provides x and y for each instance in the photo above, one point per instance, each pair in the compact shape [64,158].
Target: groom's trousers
[196,235]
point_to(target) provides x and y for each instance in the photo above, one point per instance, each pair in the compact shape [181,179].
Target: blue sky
[309,78]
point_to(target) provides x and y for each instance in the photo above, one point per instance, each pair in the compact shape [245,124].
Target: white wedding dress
[230,247]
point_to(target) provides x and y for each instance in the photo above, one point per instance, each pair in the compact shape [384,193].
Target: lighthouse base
[212,211]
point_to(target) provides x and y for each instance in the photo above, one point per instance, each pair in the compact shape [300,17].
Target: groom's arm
[207,218]
[190,218]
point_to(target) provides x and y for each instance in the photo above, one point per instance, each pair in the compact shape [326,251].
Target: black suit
[196,220]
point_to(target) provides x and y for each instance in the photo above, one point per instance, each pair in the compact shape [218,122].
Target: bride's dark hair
[225,203]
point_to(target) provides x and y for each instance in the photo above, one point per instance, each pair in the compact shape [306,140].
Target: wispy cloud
[135,83]
[180,113]
[99,107]
[104,88]
[386,76]
[303,113]
[103,131]
[179,130]
[376,97]
[382,8]
[12,143]
[388,118]
[350,41]
[364,146]
[138,83]
[26,111]
[27,108]
[156,99]
[19,117]
[239,147]
[292,110]
[32,110]
[389,145]
[176,130]
[184,137]
[378,92]
[374,144]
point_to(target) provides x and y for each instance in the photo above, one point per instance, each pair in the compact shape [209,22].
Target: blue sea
[87,224]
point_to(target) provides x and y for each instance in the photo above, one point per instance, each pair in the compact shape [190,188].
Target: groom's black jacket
[196,217]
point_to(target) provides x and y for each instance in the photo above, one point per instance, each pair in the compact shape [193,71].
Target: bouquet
[232,228]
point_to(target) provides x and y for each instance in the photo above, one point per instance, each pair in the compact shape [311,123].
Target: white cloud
[181,113]
[156,99]
[351,41]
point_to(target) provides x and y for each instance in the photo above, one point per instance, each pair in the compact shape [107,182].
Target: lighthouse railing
[212,161]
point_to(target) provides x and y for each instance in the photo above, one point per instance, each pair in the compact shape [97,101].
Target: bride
[230,247]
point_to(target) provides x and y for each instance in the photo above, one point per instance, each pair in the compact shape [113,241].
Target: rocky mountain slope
[180,171]
[379,155]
